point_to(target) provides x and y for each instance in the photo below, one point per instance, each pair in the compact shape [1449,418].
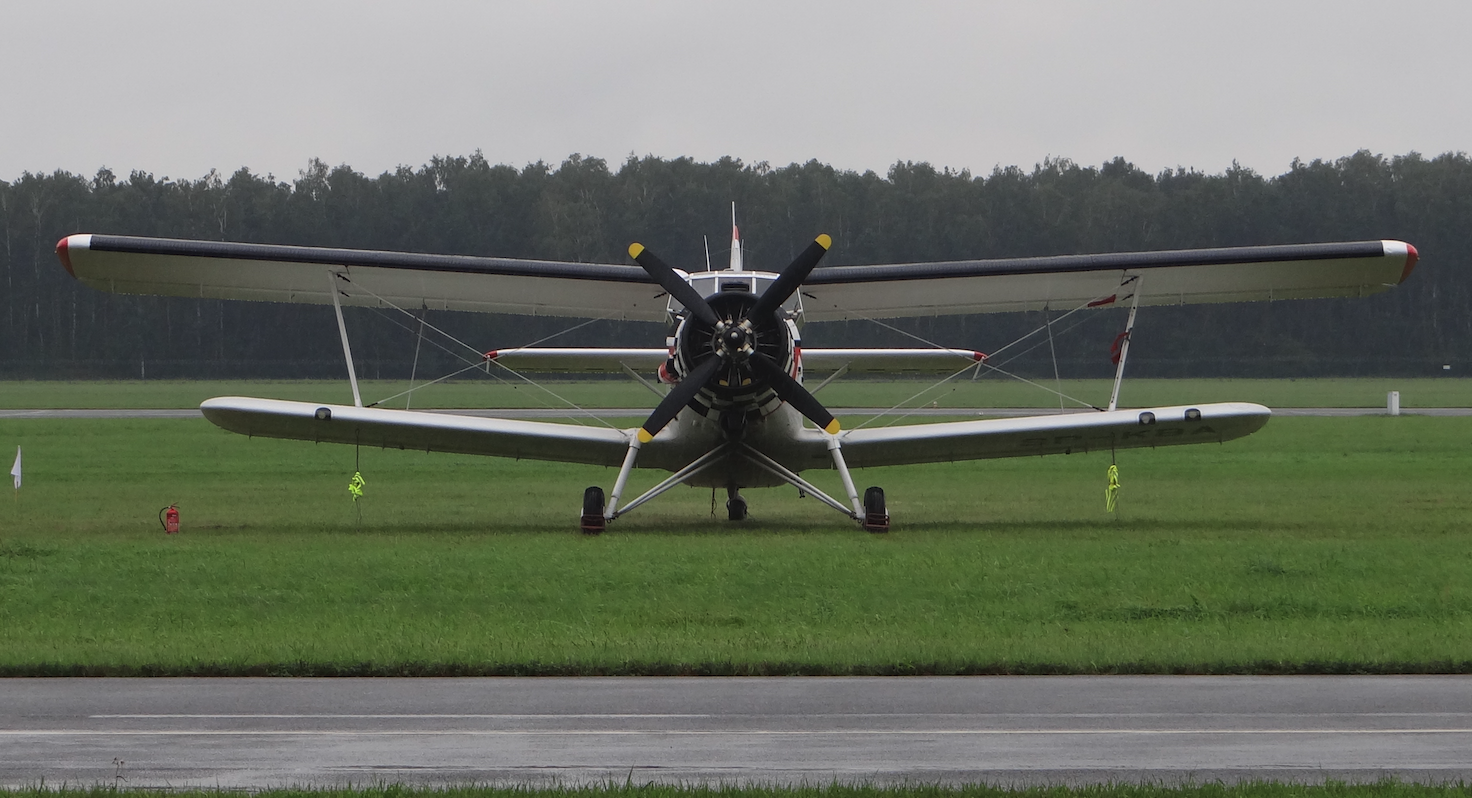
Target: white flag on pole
[15,469]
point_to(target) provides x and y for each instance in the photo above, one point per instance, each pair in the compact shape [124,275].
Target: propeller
[678,397]
[791,278]
[733,341]
[793,393]
[665,275]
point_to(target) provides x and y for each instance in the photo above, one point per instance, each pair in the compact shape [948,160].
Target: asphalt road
[540,412]
[253,733]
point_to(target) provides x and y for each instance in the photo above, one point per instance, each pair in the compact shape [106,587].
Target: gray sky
[178,88]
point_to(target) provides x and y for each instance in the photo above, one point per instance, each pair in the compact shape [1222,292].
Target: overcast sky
[178,88]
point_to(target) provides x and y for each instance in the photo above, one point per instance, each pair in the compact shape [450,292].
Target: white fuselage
[768,423]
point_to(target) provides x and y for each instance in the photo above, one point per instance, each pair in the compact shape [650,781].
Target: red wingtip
[491,355]
[65,256]
[977,357]
[1411,257]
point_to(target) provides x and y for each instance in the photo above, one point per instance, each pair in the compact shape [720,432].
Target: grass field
[1317,545]
[1386,789]
[987,392]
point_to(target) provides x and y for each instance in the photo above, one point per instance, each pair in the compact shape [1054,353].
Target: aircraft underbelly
[778,436]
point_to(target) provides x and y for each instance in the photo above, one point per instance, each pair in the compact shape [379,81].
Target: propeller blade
[791,278]
[678,397]
[671,283]
[793,393]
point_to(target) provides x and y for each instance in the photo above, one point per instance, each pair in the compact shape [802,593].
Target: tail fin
[735,242]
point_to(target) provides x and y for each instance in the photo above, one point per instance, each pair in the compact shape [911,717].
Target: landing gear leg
[876,516]
[735,504]
[597,513]
[836,450]
[592,522]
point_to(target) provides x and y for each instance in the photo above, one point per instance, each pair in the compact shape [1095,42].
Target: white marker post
[1392,403]
[15,472]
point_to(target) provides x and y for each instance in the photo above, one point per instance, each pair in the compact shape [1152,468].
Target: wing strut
[1124,343]
[342,329]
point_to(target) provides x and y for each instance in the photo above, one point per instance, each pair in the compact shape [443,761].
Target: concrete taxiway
[253,733]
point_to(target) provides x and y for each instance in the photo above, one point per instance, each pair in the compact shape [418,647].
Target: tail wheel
[735,504]
[876,516]
[592,522]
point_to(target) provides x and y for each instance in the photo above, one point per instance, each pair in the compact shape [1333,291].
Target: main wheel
[876,515]
[592,522]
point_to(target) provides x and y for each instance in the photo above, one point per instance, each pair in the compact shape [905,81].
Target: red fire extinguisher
[168,517]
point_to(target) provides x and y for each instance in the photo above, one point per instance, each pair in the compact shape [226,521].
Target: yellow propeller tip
[635,250]
[644,436]
[825,241]
[832,428]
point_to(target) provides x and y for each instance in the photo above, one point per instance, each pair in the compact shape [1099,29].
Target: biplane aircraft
[733,360]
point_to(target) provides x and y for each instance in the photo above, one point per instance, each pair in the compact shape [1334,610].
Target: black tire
[593,501]
[876,515]
[592,521]
[874,501]
[736,509]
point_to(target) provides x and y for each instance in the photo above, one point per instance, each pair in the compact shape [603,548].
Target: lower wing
[417,430]
[881,446]
[1053,434]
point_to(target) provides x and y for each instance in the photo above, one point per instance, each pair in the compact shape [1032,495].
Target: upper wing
[223,270]
[1060,283]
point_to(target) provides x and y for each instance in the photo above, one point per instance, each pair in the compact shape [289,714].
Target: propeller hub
[733,341]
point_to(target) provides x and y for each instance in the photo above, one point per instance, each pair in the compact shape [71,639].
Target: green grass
[1384,789]
[1317,545]
[987,392]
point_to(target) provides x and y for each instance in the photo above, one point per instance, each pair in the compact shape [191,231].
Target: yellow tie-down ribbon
[1111,491]
[355,486]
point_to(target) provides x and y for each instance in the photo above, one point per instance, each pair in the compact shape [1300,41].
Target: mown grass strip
[1315,546]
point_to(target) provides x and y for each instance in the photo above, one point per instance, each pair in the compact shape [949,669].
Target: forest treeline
[585,210]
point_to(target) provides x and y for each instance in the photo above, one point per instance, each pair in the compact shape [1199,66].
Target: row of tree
[584,210]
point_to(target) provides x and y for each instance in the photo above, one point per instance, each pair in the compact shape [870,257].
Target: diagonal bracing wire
[481,359]
[1053,353]
[979,365]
